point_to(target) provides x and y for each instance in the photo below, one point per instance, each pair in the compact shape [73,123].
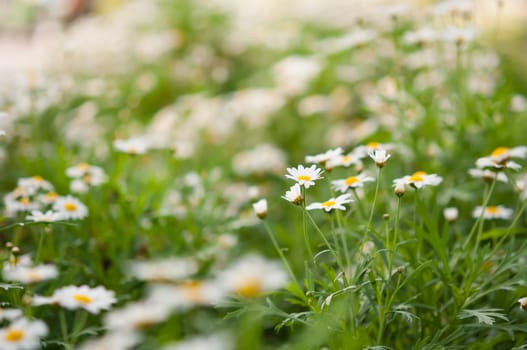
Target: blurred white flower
[92,300]
[332,203]
[23,334]
[69,207]
[351,182]
[493,212]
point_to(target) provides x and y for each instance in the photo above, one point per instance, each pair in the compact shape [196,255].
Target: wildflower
[251,276]
[122,340]
[22,334]
[332,203]
[262,159]
[420,179]
[189,293]
[209,342]
[451,214]
[351,182]
[345,161]
[294,195]
[459,36]
[379,157]
[134,145]
[493,212]
[260,208]
[399,187]
[523,303]
[518,103]
[322,158]
[33,184]
[487,175]
[84,176]
[501,158]
[29,274]
[304,176]
[136,316]
[49,216]
[10,314]
[363,151]
[70,207]
[92,300]
[167,270]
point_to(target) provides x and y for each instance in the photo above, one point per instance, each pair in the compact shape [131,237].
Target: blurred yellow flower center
[250,289]
[418,176]
[51,195]
[346,159]
[13,335]
[304,177]
[82,166]
[38,178]
[87,178]
[192,290]
[24,200]
[81,298]
[328,203]
[351,180]
[492,210]
[374,145]
[499,151]
[69,206]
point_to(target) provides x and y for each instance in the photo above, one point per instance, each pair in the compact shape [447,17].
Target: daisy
[304,176]
[70,207]
[399,187]
[500,157]
[497,212]
[352,182]
[34,183]
[84,176]
[134,145]
[364,150]
[322,158]
[122,340]
[420,179]
[10,314]
[49,216]
[22,334]
[345,161]
[92,300]
[29,274]
[487,175]
[136,316]
[379,157]
[294,195]
[168,270]
[523,303]
[332,203]
[251,276]
[451,214]
[260,208]
[187,294]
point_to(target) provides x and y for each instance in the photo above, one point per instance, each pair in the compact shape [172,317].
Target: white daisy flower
[343,185]
[487,175]
[122,340]
[209,342]
[322,158]
[420,179]
[345,161]
[252,275]
[399,187]
[332,203]
[500,158]
[23,334]
[304,176]
[379,157]
[294,195]
[451,214]
[167,270]
[190,293]
[84,176]
[70,207]
[49,216]
[136,316]
[363,151]
[10,314]
[134,145]
[493,212]
[92,300]
[260,208]
[29,274]
[34,183]
[523,303]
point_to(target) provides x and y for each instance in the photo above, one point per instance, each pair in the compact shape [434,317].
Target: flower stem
[279,250]
[304,226]
[368,227]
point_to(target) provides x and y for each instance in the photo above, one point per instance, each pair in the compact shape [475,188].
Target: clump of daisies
[84,176]
[93,300]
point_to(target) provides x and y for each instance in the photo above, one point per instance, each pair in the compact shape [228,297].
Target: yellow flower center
[351,180]
[303,177]
[81,298]
[24,201]
[492,210]
[373,145]
[499,151]
[328,203]
[69,206]
[51,195]
[418,176]
[192,290]
[82,166]
[13,335]
[86,178]
[38,178]
[250,289]
[346,159]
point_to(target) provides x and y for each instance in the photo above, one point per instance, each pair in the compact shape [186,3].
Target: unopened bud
[260,208]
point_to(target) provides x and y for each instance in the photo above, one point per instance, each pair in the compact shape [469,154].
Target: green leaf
[484,316]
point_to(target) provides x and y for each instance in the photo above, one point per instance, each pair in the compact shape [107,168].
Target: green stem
[64,330]
[304,226]
[280,252]
[479,221]
[368,227]
[324,238]
[39,247]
